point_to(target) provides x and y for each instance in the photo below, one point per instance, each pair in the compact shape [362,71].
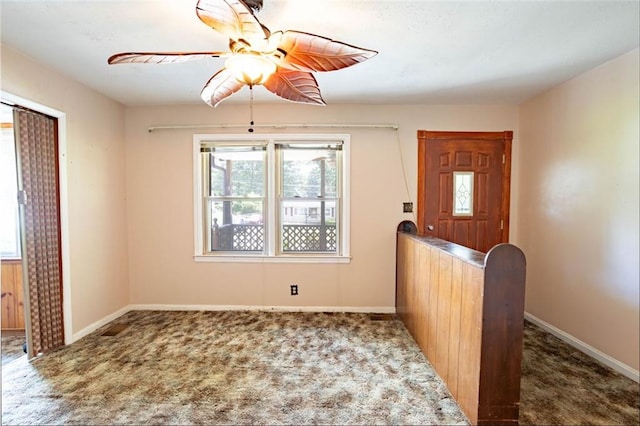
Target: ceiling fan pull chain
[250,130]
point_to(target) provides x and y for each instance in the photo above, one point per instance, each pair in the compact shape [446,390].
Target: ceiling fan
[282,61]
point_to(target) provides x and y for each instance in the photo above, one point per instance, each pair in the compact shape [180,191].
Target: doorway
[35,137]
[12,318]
[464,181]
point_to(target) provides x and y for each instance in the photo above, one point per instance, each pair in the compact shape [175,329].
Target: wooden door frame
[424,136]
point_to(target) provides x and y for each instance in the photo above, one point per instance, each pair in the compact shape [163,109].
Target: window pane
[309,173]
[308,226]
[9,217]
[237,173]
[237,225]
[463,193]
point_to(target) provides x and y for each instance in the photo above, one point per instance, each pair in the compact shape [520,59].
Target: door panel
[481,219]
[462,231]
[445,182]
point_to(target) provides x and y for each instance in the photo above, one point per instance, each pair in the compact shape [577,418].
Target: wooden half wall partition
[465,309]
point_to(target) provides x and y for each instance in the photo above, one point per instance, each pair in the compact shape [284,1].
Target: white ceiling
[429,51]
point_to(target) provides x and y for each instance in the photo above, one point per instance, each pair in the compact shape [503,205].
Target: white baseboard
[353,309]
[586,348]
[96,325]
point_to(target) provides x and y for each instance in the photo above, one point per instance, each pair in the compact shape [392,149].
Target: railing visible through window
[309,197]
[235,197]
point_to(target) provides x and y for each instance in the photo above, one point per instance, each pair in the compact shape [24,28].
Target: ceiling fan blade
[310,52]
[233,19]
[222,85]
[296,86]
[160,57]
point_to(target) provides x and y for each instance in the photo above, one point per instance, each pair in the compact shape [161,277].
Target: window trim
[271,214]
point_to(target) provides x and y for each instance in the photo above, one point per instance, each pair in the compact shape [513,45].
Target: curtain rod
[273,126]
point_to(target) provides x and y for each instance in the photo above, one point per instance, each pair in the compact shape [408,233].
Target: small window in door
[463,193]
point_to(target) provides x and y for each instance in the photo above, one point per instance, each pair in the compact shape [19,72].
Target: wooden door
[463,187]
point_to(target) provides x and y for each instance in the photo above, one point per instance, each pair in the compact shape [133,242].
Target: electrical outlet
[294,289]
[407,207]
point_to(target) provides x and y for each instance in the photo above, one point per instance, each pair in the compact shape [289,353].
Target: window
[9,212]
[277,197]
[463,193]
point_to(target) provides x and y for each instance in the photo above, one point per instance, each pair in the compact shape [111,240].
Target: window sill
[231,258]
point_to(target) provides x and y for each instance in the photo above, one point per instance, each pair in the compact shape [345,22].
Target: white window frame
[271,214]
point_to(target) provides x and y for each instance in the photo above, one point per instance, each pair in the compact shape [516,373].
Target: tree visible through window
[235,197]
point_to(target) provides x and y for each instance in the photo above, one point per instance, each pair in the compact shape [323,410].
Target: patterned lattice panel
[238,238]
[248,237]
[308,238]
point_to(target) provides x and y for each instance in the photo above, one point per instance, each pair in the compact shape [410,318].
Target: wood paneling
[422,320]
[12,295]
[465,310]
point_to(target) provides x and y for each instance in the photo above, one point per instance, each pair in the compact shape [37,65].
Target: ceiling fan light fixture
[250,68]
[282,61]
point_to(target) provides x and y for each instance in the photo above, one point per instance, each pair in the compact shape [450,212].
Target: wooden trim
[445,135]
[422,171]
[506,186]
[502,337]
[56,143]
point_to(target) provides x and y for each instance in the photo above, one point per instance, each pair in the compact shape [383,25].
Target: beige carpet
[284,368]
[562,386]
[12,346]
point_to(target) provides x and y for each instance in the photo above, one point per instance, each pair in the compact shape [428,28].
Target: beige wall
[95,221]
[129,215]
[160,204]
[578,207]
